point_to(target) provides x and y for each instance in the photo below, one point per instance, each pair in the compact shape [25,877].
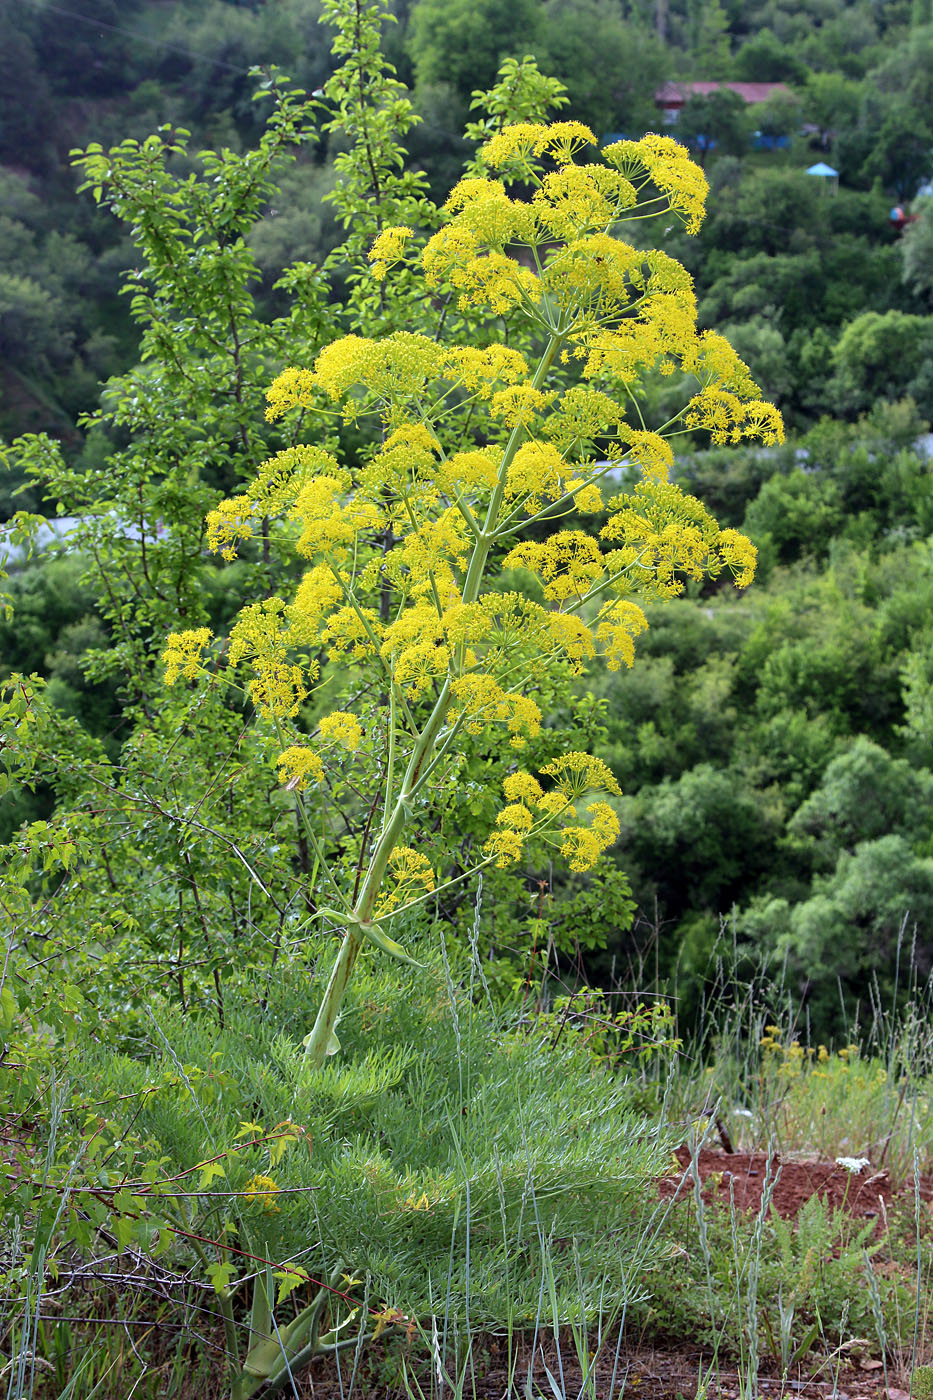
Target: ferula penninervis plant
[405,550]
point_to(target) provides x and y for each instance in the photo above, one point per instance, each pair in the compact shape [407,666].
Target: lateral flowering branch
[478,443]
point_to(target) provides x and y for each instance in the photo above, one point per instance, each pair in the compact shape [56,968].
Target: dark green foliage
[719,120]
[765,59]
[794,515]
[883,356]
[864,794]
[610,67]
[463,42]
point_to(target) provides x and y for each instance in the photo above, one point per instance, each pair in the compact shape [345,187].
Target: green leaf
[125,1229]
[210,1170]
[220,1274]
[289,1279]
[127,1203]
[377,935]
[8,1009]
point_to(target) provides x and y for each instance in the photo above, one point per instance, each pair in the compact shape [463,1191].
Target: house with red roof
[672,96]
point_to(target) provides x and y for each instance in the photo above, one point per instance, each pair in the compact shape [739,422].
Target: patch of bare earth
[743,1176]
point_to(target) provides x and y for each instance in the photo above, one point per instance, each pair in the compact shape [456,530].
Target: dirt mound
[743,1176]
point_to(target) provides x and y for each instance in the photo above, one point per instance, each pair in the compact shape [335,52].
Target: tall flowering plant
[493,464]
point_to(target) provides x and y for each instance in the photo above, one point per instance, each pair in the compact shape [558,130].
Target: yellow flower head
[293,388]
[481,701]
[619,623]
[520,403]
[568,563]
[352,632]
[560,140]
[670,169]
[343,728]
[479,369]
[578,773]
[228,524]
[411,874]
[182,655]
[516,817]
[261,1191]
[505,846]
[387,249]
[537,471]
[299,768]
[739,556]
[522,787]
[467,471]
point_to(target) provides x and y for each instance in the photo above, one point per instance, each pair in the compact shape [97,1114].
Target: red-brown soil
[743,1176]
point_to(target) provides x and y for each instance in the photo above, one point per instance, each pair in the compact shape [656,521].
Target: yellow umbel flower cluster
[299,767]
[388,248]
[261,1191]
[183,653]
[410,873]
[260,636]
[343,728]
[551,815]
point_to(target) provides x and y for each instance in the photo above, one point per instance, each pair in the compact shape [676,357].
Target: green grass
[469,1171]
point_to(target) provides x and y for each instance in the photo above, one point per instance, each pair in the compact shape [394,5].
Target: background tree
[883,356]
[716,120]
[610,67]
[917,250]
[463,43]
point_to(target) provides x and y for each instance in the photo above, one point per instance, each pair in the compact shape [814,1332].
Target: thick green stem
[322,1041]
[232,1345]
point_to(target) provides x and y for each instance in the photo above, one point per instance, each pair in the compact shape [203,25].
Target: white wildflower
[853,1164]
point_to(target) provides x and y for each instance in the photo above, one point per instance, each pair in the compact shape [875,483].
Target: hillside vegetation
[369,946]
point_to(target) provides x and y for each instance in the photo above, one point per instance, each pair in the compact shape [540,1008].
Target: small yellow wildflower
[577,773]
[520,403]
[317,593]
[411,874]
[229,523]
[343,728]
[582,846]
[537,471]
[568,563]
[388,248]
[352,632]
[618,624]
[299,767]
[670,168]
[739,556]
[516,817]
[261,1191]
[481,699]
[523,139]
[506,846]
[522,787]
[182,655]
[293,388]
[478,369]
